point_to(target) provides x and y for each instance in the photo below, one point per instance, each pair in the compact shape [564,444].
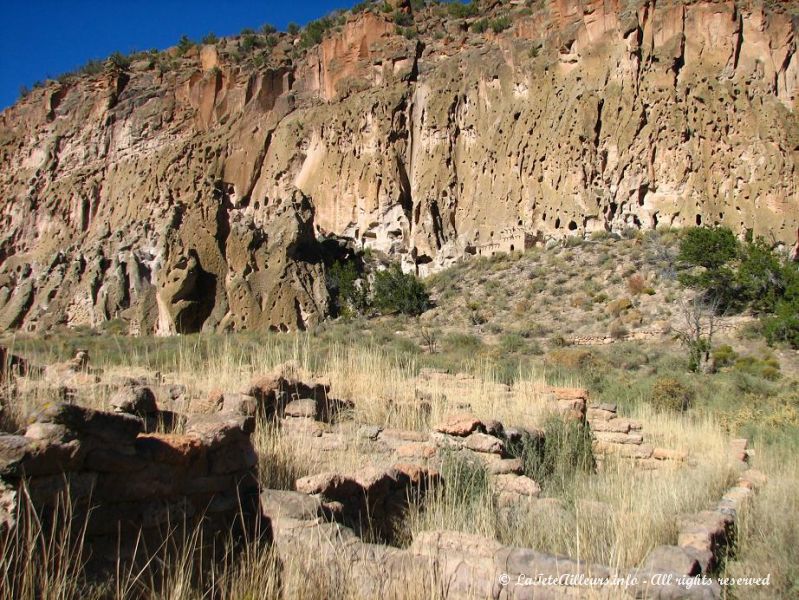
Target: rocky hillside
[192,189]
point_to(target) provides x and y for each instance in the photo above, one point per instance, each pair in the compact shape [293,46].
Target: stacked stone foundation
[127,491]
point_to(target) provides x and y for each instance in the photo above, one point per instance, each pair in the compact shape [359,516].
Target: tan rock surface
[190,197]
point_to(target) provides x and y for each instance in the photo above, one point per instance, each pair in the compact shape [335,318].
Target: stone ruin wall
[139,482]
[130,488]
[509,240]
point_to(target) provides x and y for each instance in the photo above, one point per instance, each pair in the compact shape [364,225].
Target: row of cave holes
[572,224]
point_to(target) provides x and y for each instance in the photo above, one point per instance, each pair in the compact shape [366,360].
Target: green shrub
[480,26]
[574,358]
[511,342]
[761,277]
[708,247]
[724,355]
[408,33]
[671,395]
[402,19]
[555,459]
[395,291]
[314,32]
[93,67]
[250,41]
[462,342]
[460,10]
[500,24]
[765,368]
[119,60]
[293,29]
[712,249]
[350,296]
[783,326]
[268,29]
[210,39]
[184,45]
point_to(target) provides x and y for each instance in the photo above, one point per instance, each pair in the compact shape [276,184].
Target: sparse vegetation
[184,45]
[500,24]
[463,10]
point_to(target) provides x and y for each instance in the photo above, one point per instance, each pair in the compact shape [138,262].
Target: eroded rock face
[191,198]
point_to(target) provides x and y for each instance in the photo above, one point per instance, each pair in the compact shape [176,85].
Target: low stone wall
[129,486]
[603,340]
[624,438]
[458,565]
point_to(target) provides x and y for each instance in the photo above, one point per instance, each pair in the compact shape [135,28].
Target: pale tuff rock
[192,199]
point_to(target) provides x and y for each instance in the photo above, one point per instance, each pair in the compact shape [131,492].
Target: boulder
[671,559]
[302,408]
[220,429]
[618,438]
[481,442]
[238,404]
[109,427]
[210,404]
[333,486]
[138,401]
[460,424]
[280,504]
[423,450]
[369,432]
[496,465]
[47,432]
[169,449]
[519,485]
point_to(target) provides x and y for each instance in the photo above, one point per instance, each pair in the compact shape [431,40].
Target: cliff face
[191,198]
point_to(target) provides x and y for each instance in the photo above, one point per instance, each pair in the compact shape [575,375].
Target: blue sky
[49,37]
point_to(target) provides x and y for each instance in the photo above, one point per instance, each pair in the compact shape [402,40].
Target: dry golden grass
[768,540]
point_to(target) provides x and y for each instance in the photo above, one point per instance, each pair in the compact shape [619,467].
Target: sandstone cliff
[187,191]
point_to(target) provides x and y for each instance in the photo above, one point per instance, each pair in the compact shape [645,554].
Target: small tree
[184,44]
[709,247]
[350,294]
[429,338]
[395,291]
[783,325]
[699,325]
[712,249]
